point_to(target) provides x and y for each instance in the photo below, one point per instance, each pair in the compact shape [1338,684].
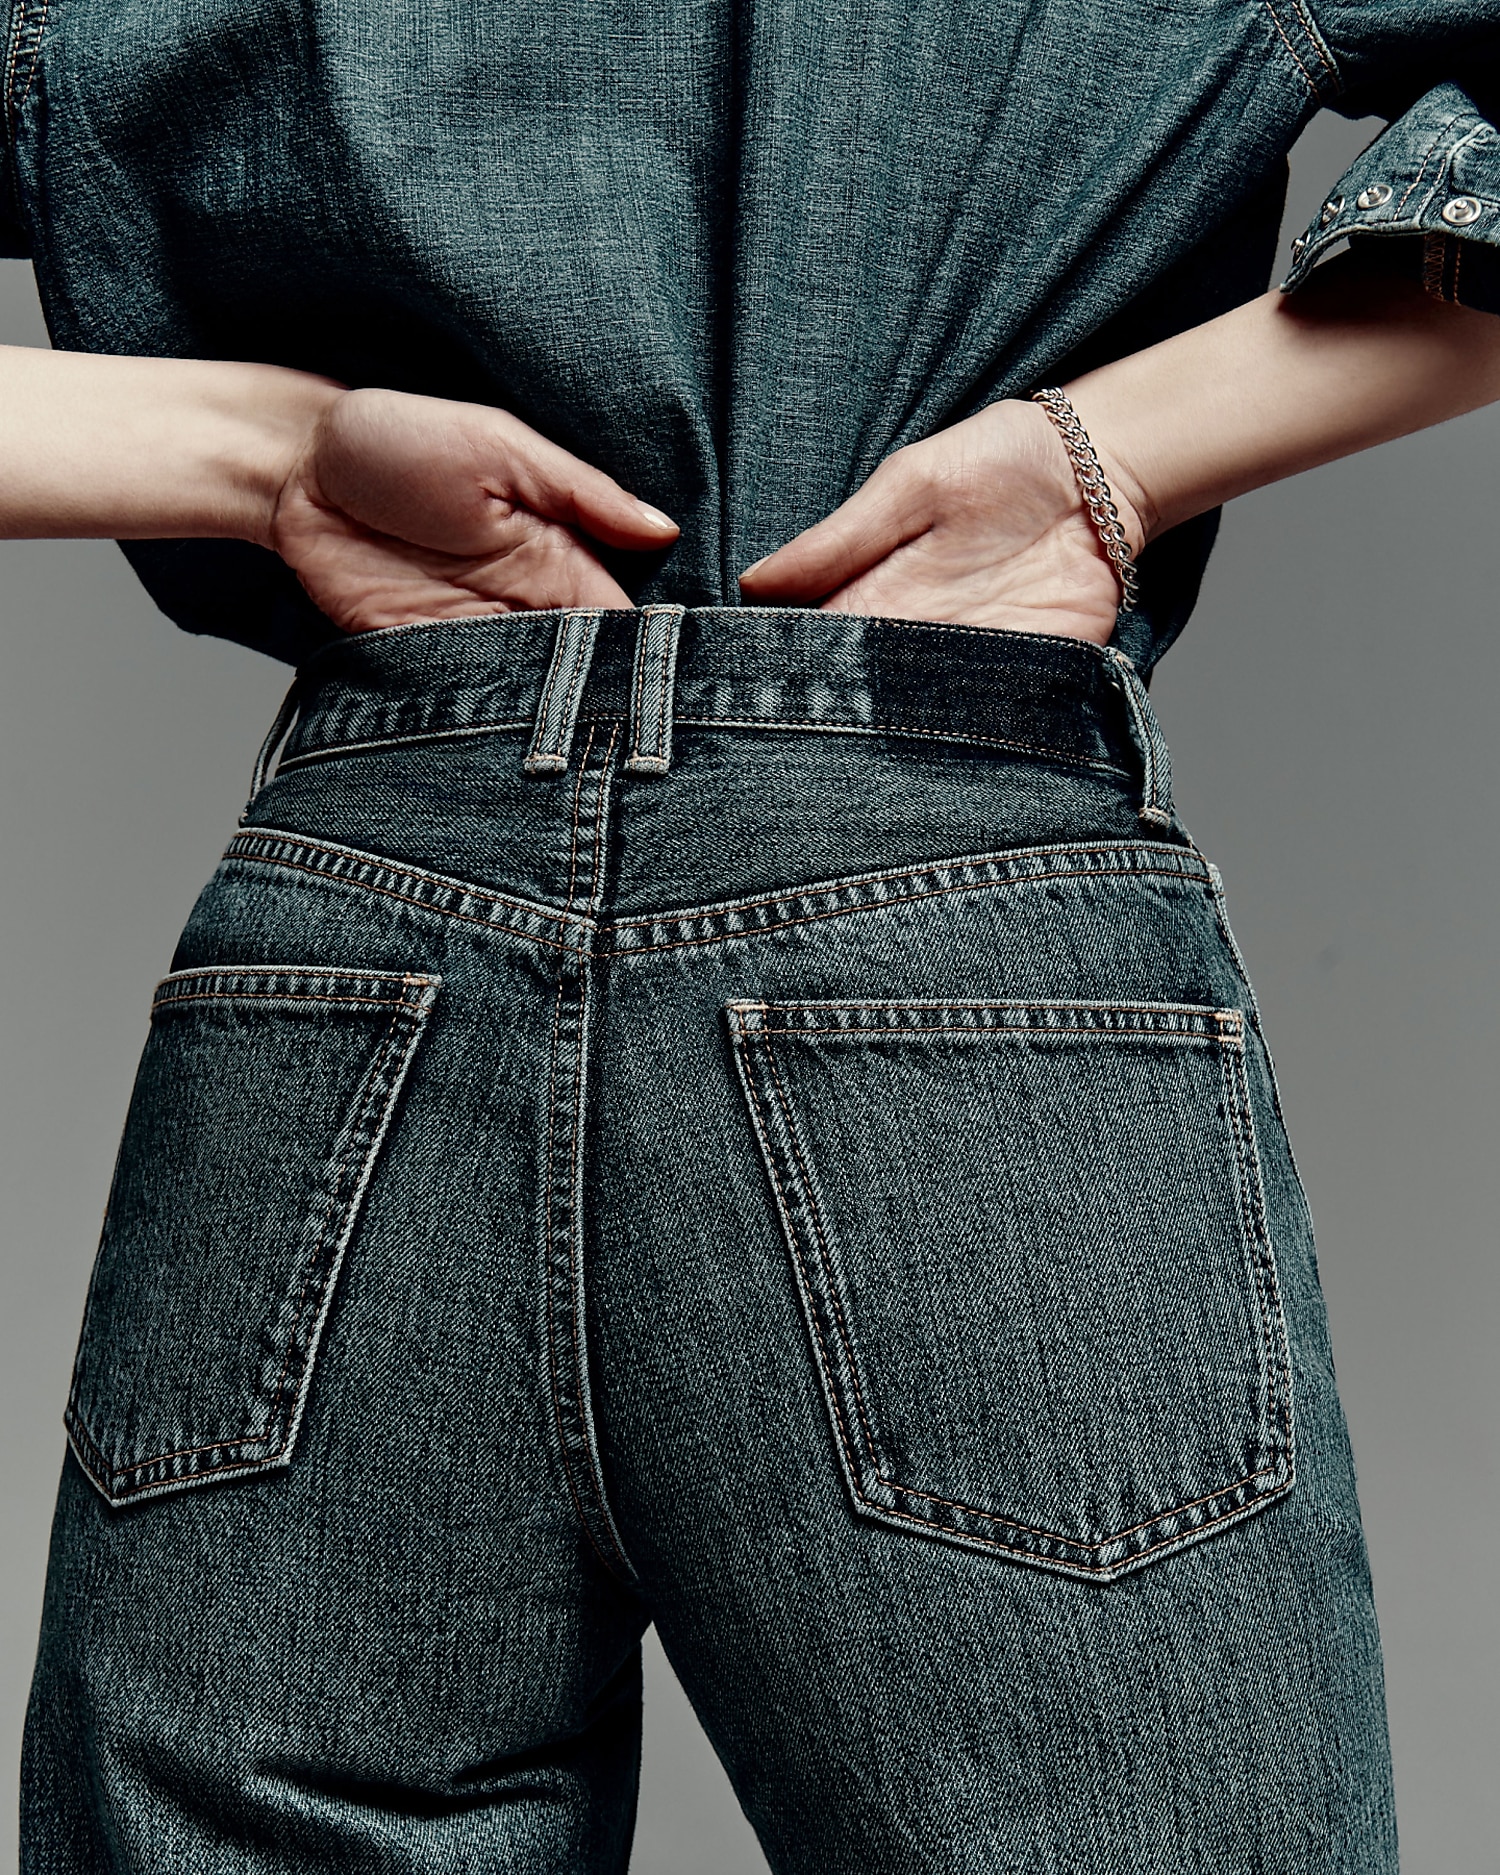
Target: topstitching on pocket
[260,1107]
[1031,1247]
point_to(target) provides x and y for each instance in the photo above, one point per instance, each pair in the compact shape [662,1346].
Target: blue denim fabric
[735,255]
[751,1121]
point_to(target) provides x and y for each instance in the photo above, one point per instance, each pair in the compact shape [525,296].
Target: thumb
[560,487]
[876,520]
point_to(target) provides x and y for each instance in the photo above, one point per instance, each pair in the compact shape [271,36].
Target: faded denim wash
[746,1120]
[734,254]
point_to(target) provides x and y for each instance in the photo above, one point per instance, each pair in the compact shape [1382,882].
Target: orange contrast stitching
[1281,32]
[952,737]
[406,898]
[373,1089]
[1195,869]
[577,802]
[905,898]
[789,1127]
[792,1239]
[442,883]
[1229,1052]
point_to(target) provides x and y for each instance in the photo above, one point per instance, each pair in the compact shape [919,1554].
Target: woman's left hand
[400,507]
[981,524]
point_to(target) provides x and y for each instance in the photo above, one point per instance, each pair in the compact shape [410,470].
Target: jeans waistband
[670,668]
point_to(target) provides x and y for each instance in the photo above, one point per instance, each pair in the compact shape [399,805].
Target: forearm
[1280,385]
[136,448]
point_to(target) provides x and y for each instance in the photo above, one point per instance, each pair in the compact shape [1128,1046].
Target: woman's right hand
[400,507]
[981,524]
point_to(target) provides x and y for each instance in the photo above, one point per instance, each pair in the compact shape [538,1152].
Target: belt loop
[1156,786]
[656,643]
[281,728]
[557,711]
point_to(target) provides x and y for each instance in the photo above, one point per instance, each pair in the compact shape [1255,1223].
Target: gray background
[1331,715]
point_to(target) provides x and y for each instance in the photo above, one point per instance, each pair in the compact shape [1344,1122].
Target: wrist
[1139,516]
[1104,500]
[269,426]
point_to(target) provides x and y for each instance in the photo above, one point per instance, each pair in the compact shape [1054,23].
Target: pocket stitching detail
[1226,1033]
[409,1009]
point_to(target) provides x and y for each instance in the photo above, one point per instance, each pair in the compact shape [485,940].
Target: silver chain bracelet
[1095,491]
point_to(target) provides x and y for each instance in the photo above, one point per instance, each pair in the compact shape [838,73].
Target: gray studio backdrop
[1332,715]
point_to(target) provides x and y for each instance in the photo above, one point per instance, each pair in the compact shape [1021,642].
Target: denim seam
[20,25]
[580,1354]
[596,896]
[583,762]
[574,1223]
[1262,1257]
[1229,1043]
[663,698]
[380,1085]
[362,1101]
[1189,1039]
[375,745]
[1082,648]
[393,983]
[360,885]
[1282,34]
[1232,945]
[273,996]
[547,1301]
[1191,867]
[810,1205]
[904,729]
[1227,1021]
[1416,181]
[906,898]
[1316,41]
[12,50]
[1323,88]
[825,1365]
[367,1100]
[443,884]
[15,23]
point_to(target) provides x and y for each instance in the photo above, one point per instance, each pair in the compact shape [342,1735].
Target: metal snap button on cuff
[1376,196]
[1462,211]
[1299,247]
[1330,209]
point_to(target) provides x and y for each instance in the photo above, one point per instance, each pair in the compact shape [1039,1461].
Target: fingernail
[655,515]
[754,565]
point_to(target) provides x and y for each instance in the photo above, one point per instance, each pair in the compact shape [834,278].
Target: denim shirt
[732,254]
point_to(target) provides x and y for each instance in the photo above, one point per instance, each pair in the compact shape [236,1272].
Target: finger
[560,486]
[882,516]
[364,579]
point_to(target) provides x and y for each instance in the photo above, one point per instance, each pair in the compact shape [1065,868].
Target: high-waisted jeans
[751,1121]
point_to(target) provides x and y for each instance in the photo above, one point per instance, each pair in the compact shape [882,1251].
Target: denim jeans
[751,1121]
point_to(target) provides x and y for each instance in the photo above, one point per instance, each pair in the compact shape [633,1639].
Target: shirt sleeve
[1422,201]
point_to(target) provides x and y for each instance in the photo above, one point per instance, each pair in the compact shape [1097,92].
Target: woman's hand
[387,507]
[981,524]
[403,507]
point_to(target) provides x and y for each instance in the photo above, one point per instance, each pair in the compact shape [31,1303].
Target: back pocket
[1032,1251]
[260,1107]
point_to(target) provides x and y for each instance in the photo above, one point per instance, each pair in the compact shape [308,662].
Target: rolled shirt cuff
[1422,201]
